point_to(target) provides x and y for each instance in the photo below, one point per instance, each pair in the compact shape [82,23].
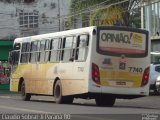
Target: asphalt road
[136,109]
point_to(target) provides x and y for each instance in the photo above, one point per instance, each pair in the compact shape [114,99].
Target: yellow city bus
[98,62]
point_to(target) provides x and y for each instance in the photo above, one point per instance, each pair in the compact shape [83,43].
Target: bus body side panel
[71,75]
[14,84]
[42,83]
[77,82]
[22,71]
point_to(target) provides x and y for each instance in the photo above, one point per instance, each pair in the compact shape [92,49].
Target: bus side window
[77,49]
[28,51]
[25,52]
[34,51]
[82,47]
[16,57]
[15,54]
[41,51]
[47,48]
[55,49]
[68,51]
[37,52]
[73,51]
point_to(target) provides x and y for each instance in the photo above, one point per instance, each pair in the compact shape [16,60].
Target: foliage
[107,16]
[112,13]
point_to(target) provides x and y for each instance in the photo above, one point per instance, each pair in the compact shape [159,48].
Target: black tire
[59,98]
[105,100]
[158,90]
[25,96]
[155,92]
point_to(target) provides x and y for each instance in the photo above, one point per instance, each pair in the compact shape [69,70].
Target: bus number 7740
[135,69]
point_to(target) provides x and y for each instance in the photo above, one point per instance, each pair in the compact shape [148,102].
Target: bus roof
[70,32]
[56,34]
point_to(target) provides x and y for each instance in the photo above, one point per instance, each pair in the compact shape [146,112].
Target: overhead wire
[68,16]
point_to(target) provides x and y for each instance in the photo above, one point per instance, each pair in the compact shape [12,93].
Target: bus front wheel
[105,100]
[59,98]
[25,96]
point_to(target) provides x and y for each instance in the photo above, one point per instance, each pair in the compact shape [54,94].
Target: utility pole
[59,19]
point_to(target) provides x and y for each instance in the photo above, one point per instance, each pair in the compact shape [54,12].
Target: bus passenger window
[28,51]
[55,49]
[34,51]
[25,52]
[47,48]
[73,55]
[41,51]
[68,49]
[82,47]
[16,57]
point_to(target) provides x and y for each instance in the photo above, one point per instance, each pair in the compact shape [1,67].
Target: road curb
[6,92]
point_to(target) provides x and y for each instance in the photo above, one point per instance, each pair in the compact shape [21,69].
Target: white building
[151,21]
[151,17]
[29,17]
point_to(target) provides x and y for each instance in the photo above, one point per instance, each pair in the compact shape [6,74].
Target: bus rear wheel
[105,100]
[25,96]
[59,98]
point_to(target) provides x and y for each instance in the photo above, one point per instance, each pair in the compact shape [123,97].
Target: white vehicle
[98,62]
[154,74]
[158,84]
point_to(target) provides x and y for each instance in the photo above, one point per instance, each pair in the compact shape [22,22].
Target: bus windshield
[118,42]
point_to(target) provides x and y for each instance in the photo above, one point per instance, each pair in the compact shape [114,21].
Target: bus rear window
[118,42]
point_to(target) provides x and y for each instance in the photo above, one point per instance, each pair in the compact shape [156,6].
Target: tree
[106,12]
[109,16]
